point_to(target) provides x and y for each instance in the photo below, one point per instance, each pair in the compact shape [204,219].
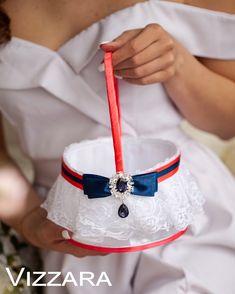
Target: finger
[120,40]
[50,232]
[152,52]
[145,38]
[149,68]
[52,236]
[157,77]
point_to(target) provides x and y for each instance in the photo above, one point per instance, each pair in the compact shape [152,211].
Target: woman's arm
[20,209]
[203,91]
[16,196]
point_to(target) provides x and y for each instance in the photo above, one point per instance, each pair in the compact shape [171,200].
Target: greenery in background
[15,254]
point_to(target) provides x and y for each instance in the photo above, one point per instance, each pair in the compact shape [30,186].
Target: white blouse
[54,98]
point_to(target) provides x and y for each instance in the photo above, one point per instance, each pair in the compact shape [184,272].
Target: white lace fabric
[172,209]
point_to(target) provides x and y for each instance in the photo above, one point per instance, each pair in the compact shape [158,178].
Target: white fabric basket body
[151,219]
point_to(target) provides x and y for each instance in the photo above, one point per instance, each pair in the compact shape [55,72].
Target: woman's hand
[42,233]
[144,56]
[203,90]
[20,209]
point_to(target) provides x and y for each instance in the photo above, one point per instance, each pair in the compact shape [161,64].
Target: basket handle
[114,110]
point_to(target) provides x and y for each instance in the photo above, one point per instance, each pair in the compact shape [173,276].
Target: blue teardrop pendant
[123,211]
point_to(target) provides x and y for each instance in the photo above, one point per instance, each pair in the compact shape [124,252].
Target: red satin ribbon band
[128,249]
[79,178]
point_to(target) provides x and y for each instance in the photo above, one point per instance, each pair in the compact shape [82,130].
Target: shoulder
[225,68]
[227,6]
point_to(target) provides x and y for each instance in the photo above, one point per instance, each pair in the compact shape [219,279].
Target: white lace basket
[150,204]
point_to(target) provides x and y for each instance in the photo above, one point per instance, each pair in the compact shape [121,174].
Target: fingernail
[101,67]
[65,235]
[102,43]
[118,77]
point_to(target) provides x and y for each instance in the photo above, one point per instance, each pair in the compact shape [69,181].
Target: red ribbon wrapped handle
[114,110]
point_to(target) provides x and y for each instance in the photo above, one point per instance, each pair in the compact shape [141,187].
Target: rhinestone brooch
[121,186]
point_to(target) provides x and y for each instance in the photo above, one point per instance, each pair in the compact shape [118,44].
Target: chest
[77,15]
[62,20]
[82,14]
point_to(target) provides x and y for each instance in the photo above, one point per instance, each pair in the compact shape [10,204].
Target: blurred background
[225,149]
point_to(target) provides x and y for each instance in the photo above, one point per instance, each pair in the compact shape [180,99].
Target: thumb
[120,41]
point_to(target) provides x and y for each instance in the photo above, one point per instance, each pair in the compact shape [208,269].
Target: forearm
[17,197]
[205,99]
[19,208]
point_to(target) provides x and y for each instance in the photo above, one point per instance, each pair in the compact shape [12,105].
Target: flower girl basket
[109,208]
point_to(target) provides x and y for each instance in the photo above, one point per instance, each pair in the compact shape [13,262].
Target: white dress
[57,98]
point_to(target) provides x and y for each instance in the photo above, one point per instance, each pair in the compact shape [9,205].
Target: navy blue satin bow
[96,186]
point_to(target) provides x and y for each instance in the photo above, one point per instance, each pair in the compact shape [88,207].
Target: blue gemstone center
[121,185]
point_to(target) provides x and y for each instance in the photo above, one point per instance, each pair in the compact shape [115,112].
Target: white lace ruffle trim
[174,206]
